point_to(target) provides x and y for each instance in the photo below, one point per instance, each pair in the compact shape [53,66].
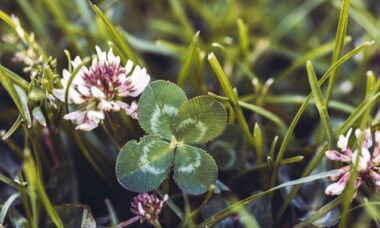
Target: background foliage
[257,70]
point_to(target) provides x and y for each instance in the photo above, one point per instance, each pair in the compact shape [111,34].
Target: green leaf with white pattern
[158,106]
[194,169]
[199,120]
[142,166]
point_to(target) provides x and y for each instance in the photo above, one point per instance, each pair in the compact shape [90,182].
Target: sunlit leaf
[194,169]
[201,119]
[142,166]
[158,106]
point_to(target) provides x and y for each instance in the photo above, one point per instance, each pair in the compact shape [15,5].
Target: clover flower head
[148,207]
[100,87]
[367,166]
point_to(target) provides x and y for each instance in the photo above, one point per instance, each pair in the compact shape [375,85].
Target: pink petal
[367,137]
[335,188]
[130,110]
[337,156]
[338,187]
[340,173]
[375,177]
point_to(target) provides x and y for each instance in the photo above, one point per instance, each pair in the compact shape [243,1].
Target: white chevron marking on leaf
[145,159]
[191,166]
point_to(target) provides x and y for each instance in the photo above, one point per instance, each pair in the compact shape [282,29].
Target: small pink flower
[146,207]
[99,88]
[367,167]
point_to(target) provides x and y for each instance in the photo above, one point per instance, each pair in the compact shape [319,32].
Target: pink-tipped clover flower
[367,166]
[99,88]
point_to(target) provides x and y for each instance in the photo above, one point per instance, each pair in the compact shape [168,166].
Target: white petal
[76,117]
[102,56]
[129,66]
[343,140]
[84,90]
[60,94]
[97,93]
[335,188]
[140,79]
[87,126]
[76,62]
[95,115]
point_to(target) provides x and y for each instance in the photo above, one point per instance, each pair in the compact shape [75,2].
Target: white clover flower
[367,168]
[100,87]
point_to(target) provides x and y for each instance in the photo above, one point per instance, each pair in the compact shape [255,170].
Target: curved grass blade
[320,103]
[7,205]
[339,43]
[35,183]
[317,158]
[299,99]
[236,207]
[18,96]
[117,38]
[303,107]
[13,129]
[256,109]
[321,212]
[227,88]
[15,78]
[188,60]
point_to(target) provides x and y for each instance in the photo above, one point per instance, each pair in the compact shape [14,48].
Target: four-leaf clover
[174,125]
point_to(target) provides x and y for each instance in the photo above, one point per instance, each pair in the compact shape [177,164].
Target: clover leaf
[173,124]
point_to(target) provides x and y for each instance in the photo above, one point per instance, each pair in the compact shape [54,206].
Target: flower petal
[341,172]
[343,140]
[338,187]
[76,117]
[337,156]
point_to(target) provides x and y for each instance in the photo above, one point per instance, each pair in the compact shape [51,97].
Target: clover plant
[175,128]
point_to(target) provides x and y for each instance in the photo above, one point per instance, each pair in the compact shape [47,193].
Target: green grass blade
[179,12]
[188,60]
[15,78]
[294,18]
[299,99]
[227,88]
[36,23]
[7,19]
[6,180]
[7,205]
[18,96]
[36,184]
[339,43]
[258,138]
[243,37]
[301,110]
[320,103]
[315,53]
[69,29]
[320,154]
[13,129]
[236,207]
[321,212]
[117,38]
